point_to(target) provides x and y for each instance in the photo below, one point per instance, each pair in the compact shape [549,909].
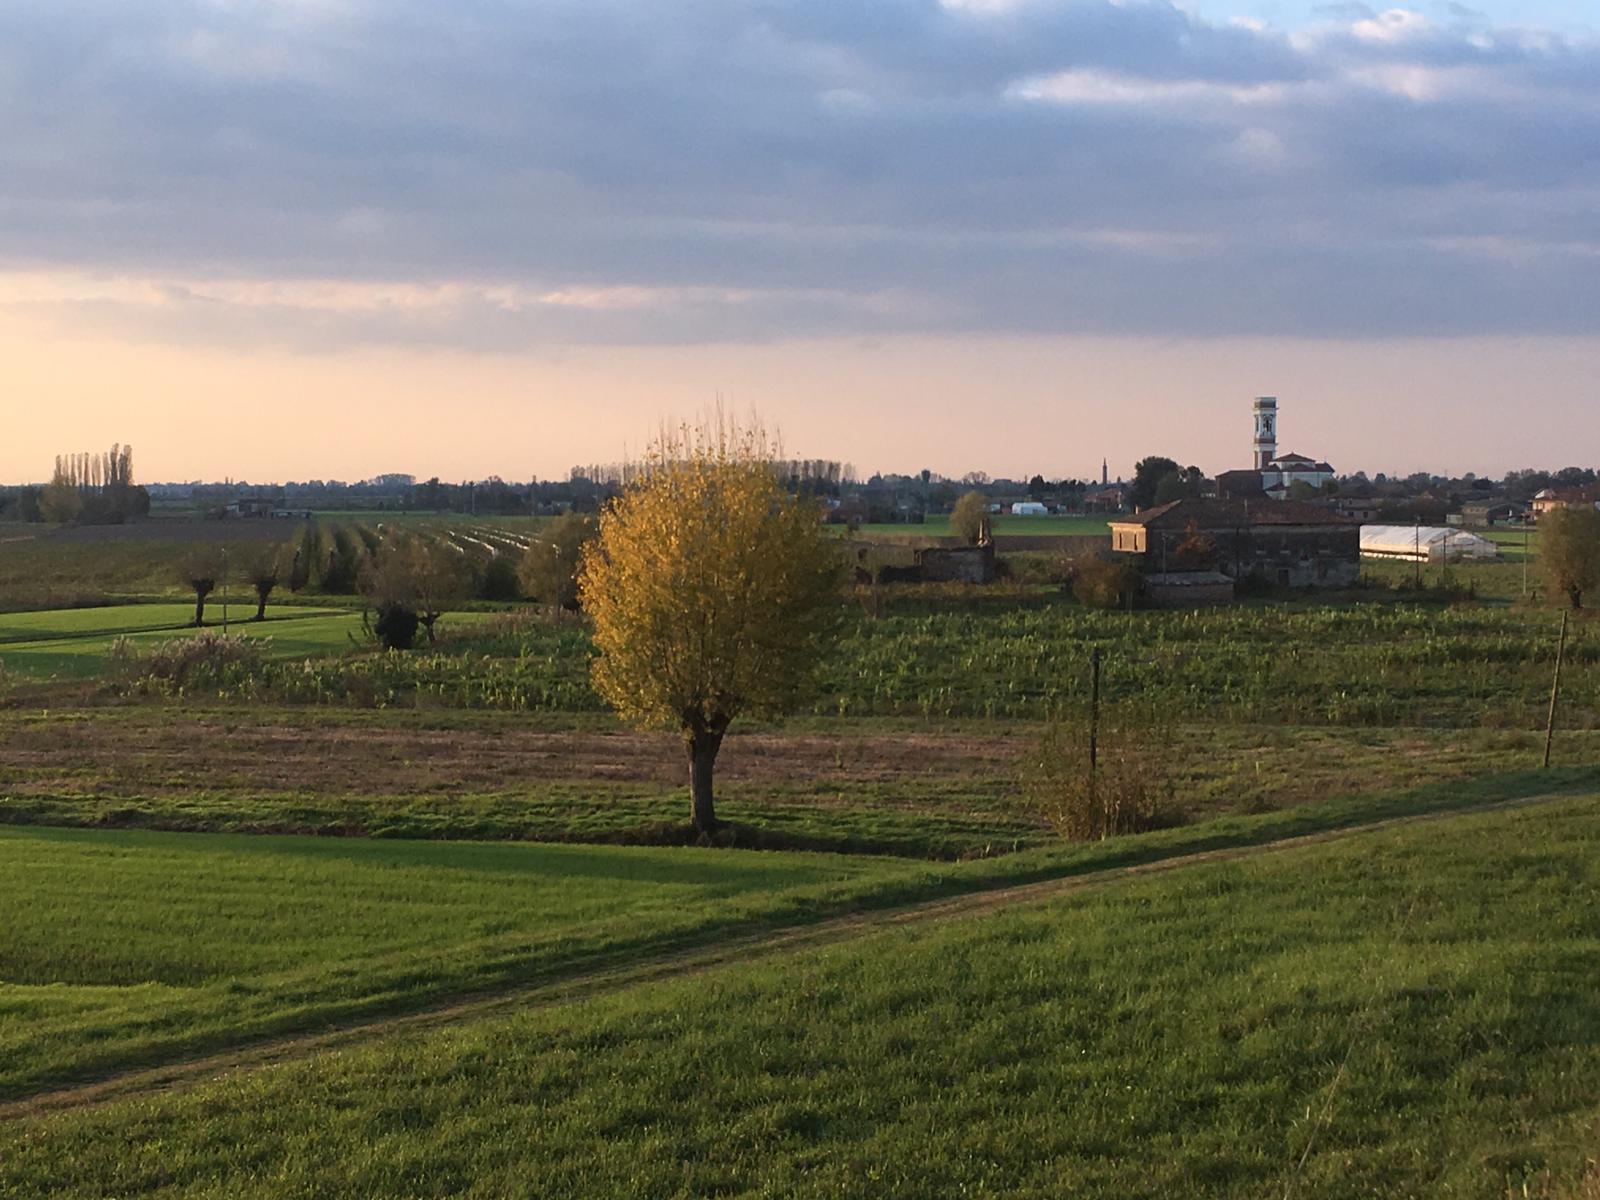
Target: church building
[1280,471]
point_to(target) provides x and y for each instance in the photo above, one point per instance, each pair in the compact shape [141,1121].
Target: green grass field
[1407,1013]
[74,644]
[117,945]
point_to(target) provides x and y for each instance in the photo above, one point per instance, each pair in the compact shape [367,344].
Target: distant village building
[1285,543]
[1482,513]
[1029,508]
[1570,497]
[1112,497]
[252,506]
[1280,472]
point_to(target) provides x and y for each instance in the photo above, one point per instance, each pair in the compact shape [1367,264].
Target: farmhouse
[1572,497]
[1283,542]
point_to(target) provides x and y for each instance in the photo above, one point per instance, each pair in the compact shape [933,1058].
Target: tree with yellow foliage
[711,590]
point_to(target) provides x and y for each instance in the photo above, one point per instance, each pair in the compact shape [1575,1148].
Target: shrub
[1130,790]
[1102,583]
[396,626]
[499,580]
[204,660]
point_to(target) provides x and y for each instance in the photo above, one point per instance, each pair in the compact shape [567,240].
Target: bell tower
[1266,444]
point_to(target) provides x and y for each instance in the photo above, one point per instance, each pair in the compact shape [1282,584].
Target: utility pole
[1524,556]
[1555,690]
[1094,723]
[224,577]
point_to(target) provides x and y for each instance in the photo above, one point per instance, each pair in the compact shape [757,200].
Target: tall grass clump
[207,661]
[1129,787]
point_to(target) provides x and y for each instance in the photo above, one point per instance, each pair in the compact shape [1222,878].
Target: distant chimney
[1266,444]
[1105,474]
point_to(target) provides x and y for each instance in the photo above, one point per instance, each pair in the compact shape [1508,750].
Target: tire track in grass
[640,970]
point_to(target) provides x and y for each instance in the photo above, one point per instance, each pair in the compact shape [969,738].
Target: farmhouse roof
[1234,514]
[1569,495]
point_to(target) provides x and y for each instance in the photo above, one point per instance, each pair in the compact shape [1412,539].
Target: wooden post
[1555,690]
[1094,723]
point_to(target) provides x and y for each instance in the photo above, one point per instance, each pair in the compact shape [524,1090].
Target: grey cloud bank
[719,171]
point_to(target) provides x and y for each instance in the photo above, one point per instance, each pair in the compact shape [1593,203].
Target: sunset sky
[332,238]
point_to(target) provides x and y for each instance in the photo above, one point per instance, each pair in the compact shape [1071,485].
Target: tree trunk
[261,606]
[703,746]
[199,610]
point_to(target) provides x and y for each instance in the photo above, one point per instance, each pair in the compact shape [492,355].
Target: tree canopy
[1147,476]
[1569,551]
[548,572]
[711,590]
[968,516]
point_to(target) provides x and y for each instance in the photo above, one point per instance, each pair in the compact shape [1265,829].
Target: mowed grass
[1408,1013]
[75,644]
[119,945]
[55,624]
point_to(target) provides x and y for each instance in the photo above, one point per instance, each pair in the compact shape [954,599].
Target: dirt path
[636,971]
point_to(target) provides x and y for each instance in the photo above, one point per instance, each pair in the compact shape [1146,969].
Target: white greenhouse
[1424,543]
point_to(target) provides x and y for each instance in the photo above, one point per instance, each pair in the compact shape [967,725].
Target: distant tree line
[84,489]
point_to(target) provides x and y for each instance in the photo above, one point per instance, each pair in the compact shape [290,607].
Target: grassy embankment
[1409,1013]
[119,947]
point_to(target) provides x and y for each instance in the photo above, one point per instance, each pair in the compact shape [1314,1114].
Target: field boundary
[605,976]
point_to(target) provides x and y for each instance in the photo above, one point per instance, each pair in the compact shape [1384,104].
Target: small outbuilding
[1187,589]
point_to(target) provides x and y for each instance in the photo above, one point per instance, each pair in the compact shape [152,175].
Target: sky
[275,239]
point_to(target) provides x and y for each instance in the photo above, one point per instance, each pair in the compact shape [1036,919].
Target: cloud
[488,176]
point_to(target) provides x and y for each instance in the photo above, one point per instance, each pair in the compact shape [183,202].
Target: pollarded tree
[968,516]
[199,573]
[441,580]
[711,590]
[412,582]
[262,572]
[1569,551]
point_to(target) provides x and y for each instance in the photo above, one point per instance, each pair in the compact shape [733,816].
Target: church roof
[1298,462]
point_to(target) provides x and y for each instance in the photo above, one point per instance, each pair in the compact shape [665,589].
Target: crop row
[1346,667]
